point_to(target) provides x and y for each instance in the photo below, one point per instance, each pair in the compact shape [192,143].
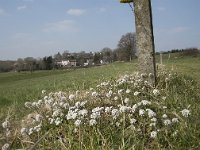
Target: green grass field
[17,88]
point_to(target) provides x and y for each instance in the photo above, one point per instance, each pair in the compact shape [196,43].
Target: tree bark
[145,38]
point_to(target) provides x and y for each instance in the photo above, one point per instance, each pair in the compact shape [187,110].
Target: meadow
[18,88]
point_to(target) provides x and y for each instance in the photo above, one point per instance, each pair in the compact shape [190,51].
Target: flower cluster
[129,103]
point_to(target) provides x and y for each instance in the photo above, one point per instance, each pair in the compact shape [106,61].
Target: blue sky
[39,28]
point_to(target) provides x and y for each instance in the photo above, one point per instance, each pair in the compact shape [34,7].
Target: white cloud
[65,25]
[76,12]
[21,7]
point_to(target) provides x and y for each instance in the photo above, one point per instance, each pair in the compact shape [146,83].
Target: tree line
[125,51]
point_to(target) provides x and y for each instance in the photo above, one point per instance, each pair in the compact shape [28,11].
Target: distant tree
[6,66]
[65,54]
[194,52]
[19,65]
[58,57]
[97,58]
[107,54]
[127,46]
[30,63]
[48,62]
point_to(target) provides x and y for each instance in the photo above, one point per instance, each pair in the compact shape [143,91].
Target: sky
[38,28]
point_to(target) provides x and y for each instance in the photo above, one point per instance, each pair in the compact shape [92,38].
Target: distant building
[66,63]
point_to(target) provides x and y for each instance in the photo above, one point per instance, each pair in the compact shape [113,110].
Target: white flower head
[43,91]
[153,119]
[95,94]
[6,124]
[151,113]
[23,131]
[128,91]
[164,116]
[175,120]
[126,100]
[141,112]
[92,122]
[185,112]
[116,98]
[156,92]
[71,97]
[108,109]
[153,134]
[77,123]
[167,122]
[132,121]
[146,102]
[136,93]
[5,146]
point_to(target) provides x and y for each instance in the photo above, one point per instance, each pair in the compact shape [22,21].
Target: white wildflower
[167,122]
[175,133]
[134,107]
[151,113]
[95,115]
[108,109]
[30,131]
[115,113]
[152,124]
[175,120]
[185,112]
[109,94]
[164,107]
[128,91]
[156,92]
[153,119]
[146,102]
[136,93]
[43,91]
[28,104]
[38,117]
[83,103]
[77,123]
[83,112]
[141,112]
[117,124]
[6,124]
[123,109]
[58,121]
[51,120]
[126,100]
[95,94]
[132,121]
[92,122]
[120,91]
[116,98]
[77,104]
[153,134]
[71,97]
[5,146]
[23,131]
[164,116]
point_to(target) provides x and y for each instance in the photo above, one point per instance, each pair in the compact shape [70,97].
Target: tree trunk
[145,38]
